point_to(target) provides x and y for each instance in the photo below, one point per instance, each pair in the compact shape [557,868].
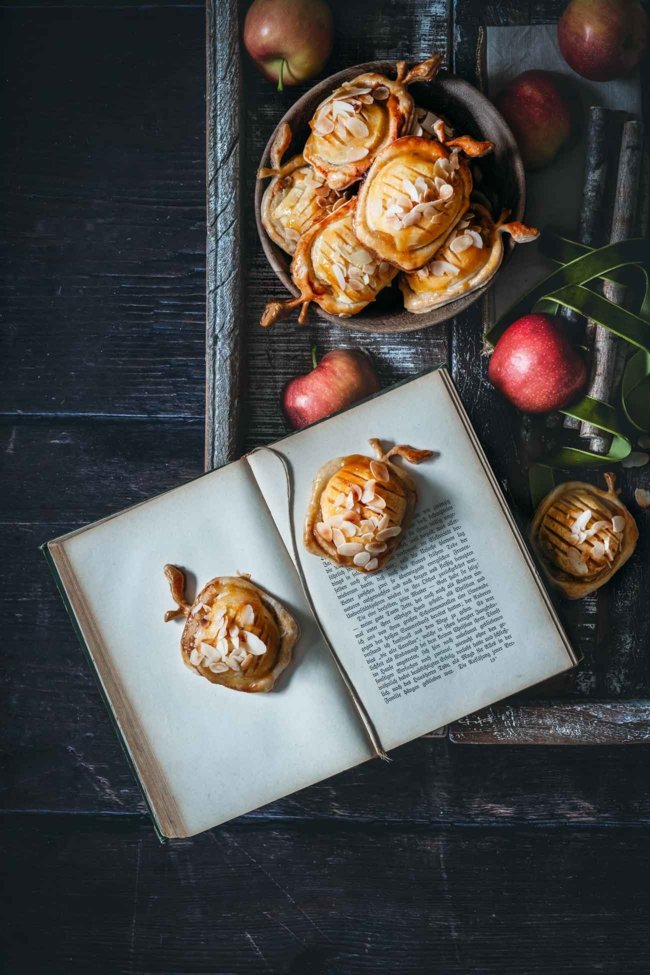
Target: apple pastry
[331,268]
[360,507]
[361,117]
[414,194]
[235,633]
[297,196]
[468,259]
[582,536]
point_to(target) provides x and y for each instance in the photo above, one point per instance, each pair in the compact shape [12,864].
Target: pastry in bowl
[468,259]
[235,633]
[361,117]
[360,507]
[414,194]
[331,268]
[296,198]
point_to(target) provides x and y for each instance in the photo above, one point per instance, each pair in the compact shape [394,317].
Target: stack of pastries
[382,188]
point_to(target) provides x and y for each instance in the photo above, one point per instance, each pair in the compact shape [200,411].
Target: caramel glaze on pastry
[332,269]
[468,259]
[582,536]
[235,633]
[414,194]
[360,506]
[296,198]
[361,117]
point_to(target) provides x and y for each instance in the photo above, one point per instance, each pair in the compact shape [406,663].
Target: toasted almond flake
[379,471]
[232,663]
[356,126]
[577,562]
[210,652]
[338,537]
[377,504]
[349,529]
[199,606]
[361,257]
[222,646]
[349,501]
[381,93]
[247,661]
[460,243]
[352,89]
[349,548]
[339,274]
[349,516]
[361,558]
[247,615]
[388,533]
[195,657]
[608,548]
[618,524]
[371,565]
[324,531]
[440,268]
[636,459]
[411,218]
[376,548]
[341,107]
[581,521]
[235,641]
[476,238]
[453,160]
[642,497]
[323,125]
[383,522]
[595,528]
[253,643]
[219,667]
[439,129]
[598,552]
[446,191]
[410,188]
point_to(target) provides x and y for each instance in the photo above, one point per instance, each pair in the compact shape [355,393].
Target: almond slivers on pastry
[235,634]
[360,506]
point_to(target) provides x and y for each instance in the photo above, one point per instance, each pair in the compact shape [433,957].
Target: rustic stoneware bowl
[470,113]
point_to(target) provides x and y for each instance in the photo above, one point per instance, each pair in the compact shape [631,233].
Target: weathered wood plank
[102,269]
[245,900]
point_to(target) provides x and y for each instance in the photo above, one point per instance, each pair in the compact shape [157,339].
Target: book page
[205,753]
[458,619]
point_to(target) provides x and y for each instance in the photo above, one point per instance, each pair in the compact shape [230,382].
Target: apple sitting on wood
[289,40]
[603,39]
[535,366]
[342,377]
[540,116]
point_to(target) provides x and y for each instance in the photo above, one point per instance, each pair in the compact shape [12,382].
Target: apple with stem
[535,365]
[603,39]
[540,114]
[342,377]
[289,40]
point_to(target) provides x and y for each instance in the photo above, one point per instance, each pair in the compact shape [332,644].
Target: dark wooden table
[454,859]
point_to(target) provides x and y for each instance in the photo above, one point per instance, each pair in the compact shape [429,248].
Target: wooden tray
[607,701]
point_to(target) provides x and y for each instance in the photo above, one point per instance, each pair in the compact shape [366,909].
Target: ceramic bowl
[470,113]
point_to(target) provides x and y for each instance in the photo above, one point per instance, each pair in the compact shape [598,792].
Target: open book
[458,619]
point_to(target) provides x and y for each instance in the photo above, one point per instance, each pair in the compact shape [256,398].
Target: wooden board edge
[624,722]
[224,299]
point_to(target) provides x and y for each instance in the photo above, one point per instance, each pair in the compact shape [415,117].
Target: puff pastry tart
[331,268]
[235,633]
[414,194]
[468,259]
[360,507]
[296,198]
[360,118]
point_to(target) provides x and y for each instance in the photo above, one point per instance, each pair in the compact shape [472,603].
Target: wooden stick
[605,348]
[590,226]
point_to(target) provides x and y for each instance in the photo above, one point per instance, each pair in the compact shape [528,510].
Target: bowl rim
[458,88]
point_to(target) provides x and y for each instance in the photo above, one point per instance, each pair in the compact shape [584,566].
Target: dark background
[453,859]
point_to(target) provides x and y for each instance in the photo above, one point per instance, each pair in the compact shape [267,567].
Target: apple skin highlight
[289,40]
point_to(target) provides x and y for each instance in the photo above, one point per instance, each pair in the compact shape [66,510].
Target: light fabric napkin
[554,194]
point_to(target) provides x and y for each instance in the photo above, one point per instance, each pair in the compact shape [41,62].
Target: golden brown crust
[559,548]
[361,544]
[272,624]
[385,109]
[413,196]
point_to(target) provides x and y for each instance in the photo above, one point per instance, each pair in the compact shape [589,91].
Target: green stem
[314,360]
[281,75]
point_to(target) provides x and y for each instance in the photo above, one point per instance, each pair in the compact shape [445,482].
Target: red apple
[539,115]
[342,377]
[603,39]
[289,40]
[535,366]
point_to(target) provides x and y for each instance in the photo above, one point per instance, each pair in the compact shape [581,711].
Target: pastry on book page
[235,633]
[360,506]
